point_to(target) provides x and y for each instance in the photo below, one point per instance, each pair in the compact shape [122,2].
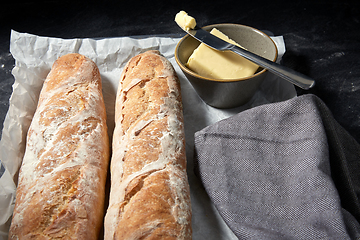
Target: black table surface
[322,37]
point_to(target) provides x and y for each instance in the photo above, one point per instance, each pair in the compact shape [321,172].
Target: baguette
[149,193]
[62,178]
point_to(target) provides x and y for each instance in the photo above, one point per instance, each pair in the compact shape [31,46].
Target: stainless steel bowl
[235,92]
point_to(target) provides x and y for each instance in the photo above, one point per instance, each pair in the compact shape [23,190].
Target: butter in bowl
[224,79]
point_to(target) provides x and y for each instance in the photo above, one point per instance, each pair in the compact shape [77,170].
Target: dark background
[322,37]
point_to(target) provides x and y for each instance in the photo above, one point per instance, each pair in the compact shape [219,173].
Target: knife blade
[218,44]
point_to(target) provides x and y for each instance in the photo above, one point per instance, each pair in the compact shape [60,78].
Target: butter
[220,65]
[185,21]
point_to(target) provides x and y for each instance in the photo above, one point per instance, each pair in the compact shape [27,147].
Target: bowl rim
[187,70]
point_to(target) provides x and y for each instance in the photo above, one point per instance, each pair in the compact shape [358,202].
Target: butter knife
[286,73]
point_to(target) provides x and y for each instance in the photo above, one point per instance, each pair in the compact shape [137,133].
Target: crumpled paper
[34,56]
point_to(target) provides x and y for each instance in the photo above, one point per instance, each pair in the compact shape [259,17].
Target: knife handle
[286,73]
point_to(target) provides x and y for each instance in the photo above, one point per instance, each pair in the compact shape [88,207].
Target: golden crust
[62,178]
[149,196]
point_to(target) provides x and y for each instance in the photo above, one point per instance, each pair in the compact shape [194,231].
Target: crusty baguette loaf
[62,179]
[149,194]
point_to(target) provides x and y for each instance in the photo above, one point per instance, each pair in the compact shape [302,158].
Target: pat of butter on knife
[185,21]
[214,64]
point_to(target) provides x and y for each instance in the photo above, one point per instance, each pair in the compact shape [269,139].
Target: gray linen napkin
[284,170]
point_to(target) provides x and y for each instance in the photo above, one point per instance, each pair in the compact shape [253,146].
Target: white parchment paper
[34,56]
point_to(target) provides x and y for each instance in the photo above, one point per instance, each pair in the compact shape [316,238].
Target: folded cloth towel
[284,170]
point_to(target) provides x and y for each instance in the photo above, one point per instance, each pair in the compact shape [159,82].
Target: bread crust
[62,179]
[149,196]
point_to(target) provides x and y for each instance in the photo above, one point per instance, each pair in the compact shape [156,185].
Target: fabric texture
[284,170]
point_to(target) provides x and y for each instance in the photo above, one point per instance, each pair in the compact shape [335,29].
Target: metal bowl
[227,93]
